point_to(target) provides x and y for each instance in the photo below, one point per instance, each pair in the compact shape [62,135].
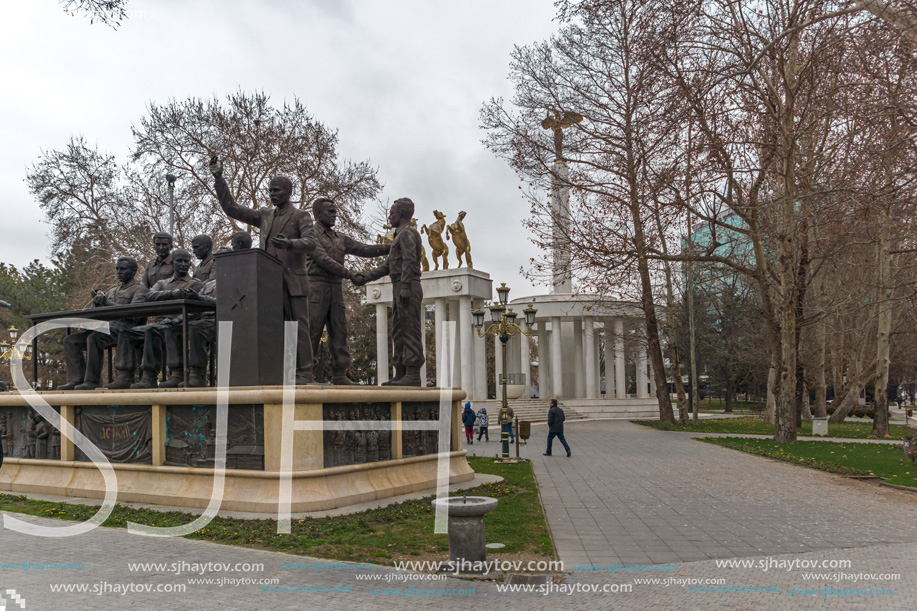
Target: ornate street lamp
[504,326]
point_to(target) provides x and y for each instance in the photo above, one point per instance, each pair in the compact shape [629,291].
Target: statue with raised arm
[435,238]
[460,239]
[403,266]
[286,233]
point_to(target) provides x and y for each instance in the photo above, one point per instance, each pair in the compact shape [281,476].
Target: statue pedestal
[250,295]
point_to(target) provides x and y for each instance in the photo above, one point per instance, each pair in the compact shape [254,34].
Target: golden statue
[557,122]
[437,245]
[424,262]
[388,237]
[460,239]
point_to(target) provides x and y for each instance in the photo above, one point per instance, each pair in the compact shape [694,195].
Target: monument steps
[536,410]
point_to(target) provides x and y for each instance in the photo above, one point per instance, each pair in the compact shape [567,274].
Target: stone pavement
[628,495]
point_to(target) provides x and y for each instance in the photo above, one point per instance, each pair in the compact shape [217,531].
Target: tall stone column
[579,387]
[498,367]
[620,379]
[557,359]
[598,362]
[525,363]
[544,367]
[642,381]
[560,209]
[465,344]
[480,367]
[382,370]
[589,356]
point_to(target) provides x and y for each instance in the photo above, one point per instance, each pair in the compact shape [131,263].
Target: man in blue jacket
[556,427]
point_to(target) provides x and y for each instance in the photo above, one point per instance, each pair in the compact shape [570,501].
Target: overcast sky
[403,81]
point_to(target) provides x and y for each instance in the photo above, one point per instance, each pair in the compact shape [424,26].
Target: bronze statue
[240,240]
[326,269]
[6,435]
[151,337]
[558,122]
[159,268]
[435,238]
[201,337]
[286,233]
[202,247]
[85,373]
[403,266]
[460,239]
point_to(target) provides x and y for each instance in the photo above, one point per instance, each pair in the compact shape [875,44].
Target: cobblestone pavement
[629,495]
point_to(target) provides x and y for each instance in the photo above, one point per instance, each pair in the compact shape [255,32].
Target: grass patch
[398,532]
[848,458]
[755,425]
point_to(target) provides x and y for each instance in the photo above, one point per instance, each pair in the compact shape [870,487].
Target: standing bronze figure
[202,247]
[403,266]
[286,233]
[326,270]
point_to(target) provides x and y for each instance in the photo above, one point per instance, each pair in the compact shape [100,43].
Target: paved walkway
[629,495]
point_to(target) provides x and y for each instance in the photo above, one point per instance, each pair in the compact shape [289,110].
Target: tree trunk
[821,386]
[880,420]
[843,406]
[730,390]
[692,345]
[770,412]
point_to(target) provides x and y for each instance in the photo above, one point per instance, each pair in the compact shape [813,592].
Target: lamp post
[171,179]
[503,325]
[9,350]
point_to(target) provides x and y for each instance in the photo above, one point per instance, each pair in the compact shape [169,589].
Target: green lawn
[754,425]
[397,532]
[848,458]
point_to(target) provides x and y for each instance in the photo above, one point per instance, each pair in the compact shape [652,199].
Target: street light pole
[503,325]
[171,179]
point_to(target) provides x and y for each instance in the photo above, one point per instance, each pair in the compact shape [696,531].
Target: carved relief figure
[435,239]
[460,239]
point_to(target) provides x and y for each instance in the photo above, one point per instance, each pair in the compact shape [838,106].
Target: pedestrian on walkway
[509,422]
[556,427]
[468,421]
[483,423]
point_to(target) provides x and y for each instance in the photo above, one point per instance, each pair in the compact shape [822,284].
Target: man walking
[556,427]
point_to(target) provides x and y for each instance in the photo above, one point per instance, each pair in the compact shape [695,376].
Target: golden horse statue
[435,239]
[460,239]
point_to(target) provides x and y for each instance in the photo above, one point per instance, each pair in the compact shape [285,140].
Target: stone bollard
[820,426]
[466,529]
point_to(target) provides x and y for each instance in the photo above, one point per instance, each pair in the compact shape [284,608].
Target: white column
[439,317]
[557,369]
[525,363]
[652,379]
[381,343]
[465,345]
[544,369]
[498,366]
[423,343]
[620,379]
[579,387]
[589,356]
[642,391]
[480,367]
[598,363]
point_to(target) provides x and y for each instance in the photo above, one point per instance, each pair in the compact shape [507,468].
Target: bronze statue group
[313,271]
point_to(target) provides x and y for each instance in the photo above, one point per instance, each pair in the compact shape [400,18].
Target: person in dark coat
[468,419]
[556,427]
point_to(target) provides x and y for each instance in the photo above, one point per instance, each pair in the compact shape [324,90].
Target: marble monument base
[161,444]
